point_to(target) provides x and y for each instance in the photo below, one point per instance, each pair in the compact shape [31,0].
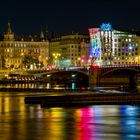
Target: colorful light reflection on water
[31,122]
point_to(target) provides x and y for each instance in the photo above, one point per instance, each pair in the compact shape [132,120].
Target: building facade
[111,47]
[13,50]
[67,50]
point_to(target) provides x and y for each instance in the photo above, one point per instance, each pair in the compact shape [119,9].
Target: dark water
[19,121]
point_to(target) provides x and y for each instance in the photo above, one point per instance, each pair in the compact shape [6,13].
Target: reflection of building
[110,46]
[70,47]
[14,48]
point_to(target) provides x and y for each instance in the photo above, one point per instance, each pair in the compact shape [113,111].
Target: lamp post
[79,62]
[56,58]
[22,57]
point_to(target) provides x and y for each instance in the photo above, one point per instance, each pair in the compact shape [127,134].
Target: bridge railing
[121,65]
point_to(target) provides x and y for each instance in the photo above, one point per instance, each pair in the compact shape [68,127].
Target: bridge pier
[129,79]
[93,78]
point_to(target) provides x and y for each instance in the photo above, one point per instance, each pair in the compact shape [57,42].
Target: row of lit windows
[24,50]
[125,62]
[126,40]
[119,58]
[130,49]
[13,61]
[126,54]
[125,45]
[23,45]
[125,58]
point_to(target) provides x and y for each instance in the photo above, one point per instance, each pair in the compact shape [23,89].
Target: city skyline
[62,17]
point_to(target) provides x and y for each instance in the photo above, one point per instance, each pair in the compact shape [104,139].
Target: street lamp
[79,62]
[56,58]
[22,57]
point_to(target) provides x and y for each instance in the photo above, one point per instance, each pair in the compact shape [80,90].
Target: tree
[29,60]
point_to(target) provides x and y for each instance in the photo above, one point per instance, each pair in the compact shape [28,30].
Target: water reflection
[54,85]
[31,122]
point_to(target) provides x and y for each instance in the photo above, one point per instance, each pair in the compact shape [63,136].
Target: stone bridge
[127,75]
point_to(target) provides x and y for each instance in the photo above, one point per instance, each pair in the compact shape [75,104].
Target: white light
[31,67]
[89,60]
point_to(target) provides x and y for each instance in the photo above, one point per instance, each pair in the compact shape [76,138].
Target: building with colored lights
[13,49]
[111,47]
[73,50]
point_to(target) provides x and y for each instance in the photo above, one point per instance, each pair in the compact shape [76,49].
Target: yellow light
[79,58]
[48,75]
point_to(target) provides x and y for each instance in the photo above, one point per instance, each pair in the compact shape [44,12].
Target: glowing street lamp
[56,57]
[22,57]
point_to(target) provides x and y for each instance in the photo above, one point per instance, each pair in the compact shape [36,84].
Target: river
[20,121]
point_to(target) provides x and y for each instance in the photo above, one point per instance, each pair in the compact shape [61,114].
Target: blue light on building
[106,26]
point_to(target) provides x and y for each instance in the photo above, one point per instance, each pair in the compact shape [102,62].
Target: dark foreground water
[19,121]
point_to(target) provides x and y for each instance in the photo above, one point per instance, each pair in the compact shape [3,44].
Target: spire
[9,30]
[9,35]
[41,34]
[47,35]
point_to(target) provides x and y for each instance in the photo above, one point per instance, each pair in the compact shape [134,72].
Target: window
[119,40]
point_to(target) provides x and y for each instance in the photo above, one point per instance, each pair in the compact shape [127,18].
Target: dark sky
[63,16]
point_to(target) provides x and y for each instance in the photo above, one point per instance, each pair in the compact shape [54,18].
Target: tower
[42,36]
[9,35]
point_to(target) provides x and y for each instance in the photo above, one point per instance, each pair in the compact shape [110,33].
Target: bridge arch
[123,76]
[132,70]
[67,77]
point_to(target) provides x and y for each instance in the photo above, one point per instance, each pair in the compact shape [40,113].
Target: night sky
[64,16]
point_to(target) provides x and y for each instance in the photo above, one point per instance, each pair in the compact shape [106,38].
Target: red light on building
[93,30]
[95,67]
[82,60]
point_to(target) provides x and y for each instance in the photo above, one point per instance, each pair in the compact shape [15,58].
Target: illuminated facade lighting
[110,47]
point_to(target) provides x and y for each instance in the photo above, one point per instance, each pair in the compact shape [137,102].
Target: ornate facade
[13,49]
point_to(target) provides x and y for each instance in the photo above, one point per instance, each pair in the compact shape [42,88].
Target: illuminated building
[125,48]
[85,54]
[70,48]
[13,49]
[109,46]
